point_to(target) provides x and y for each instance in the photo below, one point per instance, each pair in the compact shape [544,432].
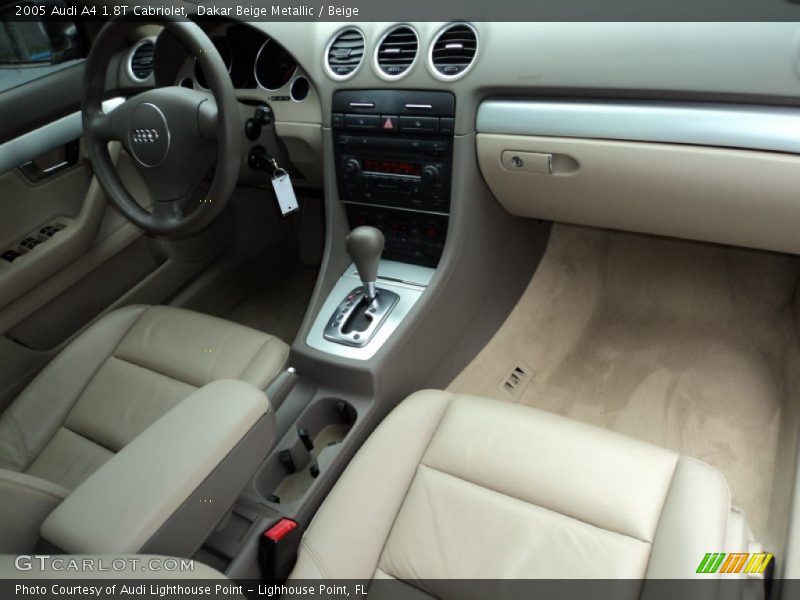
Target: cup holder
[306,451]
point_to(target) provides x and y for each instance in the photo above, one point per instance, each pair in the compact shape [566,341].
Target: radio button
[352,167]
[337,121]
[447,125]
[361,122]
[430,174]
[419,124]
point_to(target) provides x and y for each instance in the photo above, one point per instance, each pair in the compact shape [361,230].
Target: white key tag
[284,192]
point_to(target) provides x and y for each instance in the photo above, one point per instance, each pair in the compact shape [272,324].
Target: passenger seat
[456,486]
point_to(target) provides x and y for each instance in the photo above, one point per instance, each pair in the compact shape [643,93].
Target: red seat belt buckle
[278,531]
[278,549]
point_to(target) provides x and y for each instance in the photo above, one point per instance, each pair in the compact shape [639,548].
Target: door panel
[78,258]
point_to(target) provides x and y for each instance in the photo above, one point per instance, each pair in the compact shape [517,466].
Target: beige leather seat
[108,386]
[453,486]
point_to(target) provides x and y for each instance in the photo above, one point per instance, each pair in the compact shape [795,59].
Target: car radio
[393,153]
[376,174]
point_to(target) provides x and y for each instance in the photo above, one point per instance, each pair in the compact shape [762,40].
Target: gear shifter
[365,245]
[364,309]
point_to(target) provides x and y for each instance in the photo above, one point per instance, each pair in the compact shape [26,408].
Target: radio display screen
[392,167]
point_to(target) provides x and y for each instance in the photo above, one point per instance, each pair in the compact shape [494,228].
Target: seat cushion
[117,378]
[454,486]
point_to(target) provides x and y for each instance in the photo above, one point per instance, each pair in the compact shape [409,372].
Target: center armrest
[166,490]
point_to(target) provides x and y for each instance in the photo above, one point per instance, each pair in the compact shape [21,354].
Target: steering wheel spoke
[108,126]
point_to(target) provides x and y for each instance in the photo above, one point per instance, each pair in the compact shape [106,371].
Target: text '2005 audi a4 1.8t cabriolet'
[450,300]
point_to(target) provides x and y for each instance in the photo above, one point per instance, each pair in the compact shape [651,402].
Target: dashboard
[599,72]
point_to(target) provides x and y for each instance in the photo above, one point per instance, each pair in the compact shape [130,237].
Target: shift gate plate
[339,327]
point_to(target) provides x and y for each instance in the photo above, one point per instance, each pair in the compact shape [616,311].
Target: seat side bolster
[35,416]
[266,363]
[346,538]
[123,504]
[27,500]
[197,349]
[693,521]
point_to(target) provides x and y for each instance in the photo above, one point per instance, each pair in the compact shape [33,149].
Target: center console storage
[290,483]
[394,164]
[305,452]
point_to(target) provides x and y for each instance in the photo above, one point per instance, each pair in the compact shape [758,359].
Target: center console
[394,163]
[393,154]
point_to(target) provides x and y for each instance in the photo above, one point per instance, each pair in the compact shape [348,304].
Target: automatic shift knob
[365,245]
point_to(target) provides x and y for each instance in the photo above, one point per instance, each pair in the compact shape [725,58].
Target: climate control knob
[352,167]
[430,174]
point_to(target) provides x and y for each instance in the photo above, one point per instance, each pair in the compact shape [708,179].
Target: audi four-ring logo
[144,136]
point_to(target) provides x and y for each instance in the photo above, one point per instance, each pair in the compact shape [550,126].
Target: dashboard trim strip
[403,208]
[28,146]
[723,125]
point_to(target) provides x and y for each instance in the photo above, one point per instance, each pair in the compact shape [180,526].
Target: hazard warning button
[388,123]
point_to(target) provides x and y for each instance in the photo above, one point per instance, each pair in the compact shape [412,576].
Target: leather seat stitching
[7,482]
[555,512]
[100,366]
[135,364]
[88,439]
[21,435]
[312,552]
[414,476]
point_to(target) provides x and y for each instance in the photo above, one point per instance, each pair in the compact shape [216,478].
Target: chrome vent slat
[143,60]
[397,51]
[453,51]
[345,53]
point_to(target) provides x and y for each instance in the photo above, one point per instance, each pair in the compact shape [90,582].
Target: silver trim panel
[407,281]
[328,71]
[33,144]
[377,68]
[724,125]
[255,67]
[129,59]
[413,210]
[432,68]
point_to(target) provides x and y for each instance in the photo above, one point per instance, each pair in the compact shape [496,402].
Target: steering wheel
[173,134]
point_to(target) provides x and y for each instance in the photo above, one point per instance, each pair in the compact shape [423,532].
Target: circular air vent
[141,63]
[396,52]
[344,53]
[453,51]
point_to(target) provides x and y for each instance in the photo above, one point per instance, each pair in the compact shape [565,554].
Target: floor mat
[263,293]
[685,345]
[279,307]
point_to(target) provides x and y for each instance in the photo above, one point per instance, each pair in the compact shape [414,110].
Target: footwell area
[684,345]
[279,306]
[266,293]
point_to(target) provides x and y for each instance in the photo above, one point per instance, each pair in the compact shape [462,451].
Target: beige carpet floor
[279,307]
[685,345]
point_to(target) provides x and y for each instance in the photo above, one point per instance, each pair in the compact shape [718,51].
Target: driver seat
[105,388]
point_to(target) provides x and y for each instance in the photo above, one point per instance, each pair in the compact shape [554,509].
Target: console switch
[361,122]
[419,124]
